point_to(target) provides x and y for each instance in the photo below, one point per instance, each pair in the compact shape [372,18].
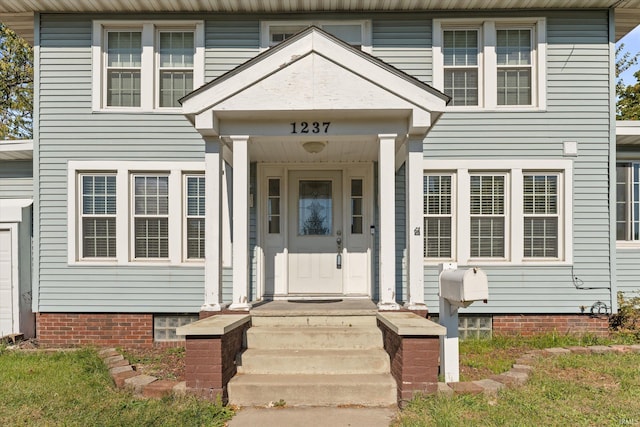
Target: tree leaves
[16,86]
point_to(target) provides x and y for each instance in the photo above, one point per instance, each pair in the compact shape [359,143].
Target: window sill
[168,111]
[115,263]
[628,244]
[505,109]
[533,263]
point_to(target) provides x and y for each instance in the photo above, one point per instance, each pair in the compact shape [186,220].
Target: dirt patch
[162,363]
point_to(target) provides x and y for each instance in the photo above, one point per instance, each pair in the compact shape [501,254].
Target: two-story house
[206,156]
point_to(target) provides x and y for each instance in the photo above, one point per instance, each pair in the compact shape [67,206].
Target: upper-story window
[490,64]
[146,66]
[356,33]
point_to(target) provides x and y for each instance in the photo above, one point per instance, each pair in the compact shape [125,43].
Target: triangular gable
[314,71]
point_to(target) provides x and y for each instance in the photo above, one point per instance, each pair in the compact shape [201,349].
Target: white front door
[315,232]
[6,283]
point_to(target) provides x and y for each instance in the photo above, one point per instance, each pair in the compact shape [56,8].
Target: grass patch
[480,358]
[74,389]
[576,390]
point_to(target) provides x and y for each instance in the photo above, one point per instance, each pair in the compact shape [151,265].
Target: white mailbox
[463,287]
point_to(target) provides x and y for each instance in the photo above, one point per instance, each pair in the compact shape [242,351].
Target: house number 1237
[310,127]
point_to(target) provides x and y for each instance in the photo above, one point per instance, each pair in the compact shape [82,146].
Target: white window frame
[124,171]
[365,25]
[487,91]
[506,215]
[149,63]
[452,215]
[147,216]
[185,198]
[82,215]
[514,220]
[629,181]
[547,215]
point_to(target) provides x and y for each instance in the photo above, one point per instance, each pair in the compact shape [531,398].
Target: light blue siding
[16,179]
[69,130]
[577,110]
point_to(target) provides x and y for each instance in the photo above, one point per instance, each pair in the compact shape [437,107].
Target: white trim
[14,250]
[124,170]
[149,61]
[241,280]
[11,209]
[186,175]
[386,202]
[487,67]
[514,225]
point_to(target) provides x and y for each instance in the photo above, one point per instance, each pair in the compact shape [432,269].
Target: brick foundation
[210,362]
[532,324]
[99,329]
[414,362]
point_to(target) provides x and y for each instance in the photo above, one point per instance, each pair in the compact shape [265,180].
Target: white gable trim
[421,103]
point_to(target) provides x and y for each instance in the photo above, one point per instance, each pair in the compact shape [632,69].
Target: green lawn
[571,390]
[74,389]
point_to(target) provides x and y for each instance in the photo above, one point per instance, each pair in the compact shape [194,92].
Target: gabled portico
[316,114]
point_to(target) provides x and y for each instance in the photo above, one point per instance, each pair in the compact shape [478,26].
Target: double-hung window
[195,200]
[438,216]
[123,68]
[487,215]
[541,215]
[514,66]
[517,212]
[151,216]
[628,201]
[98,213]
[491,63]
[461,66]
[175,66]
[144,65]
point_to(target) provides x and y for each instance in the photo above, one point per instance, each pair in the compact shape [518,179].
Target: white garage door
[6,283]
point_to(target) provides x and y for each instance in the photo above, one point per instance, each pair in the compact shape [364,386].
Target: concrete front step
[313,320]
[329,362]
[313,390]
[316,337]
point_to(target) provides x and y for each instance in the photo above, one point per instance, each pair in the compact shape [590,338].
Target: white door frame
[12,228]
[265,243]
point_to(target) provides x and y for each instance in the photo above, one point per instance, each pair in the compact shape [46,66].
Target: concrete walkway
[313,416]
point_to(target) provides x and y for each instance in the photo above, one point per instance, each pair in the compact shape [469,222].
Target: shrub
[626,322]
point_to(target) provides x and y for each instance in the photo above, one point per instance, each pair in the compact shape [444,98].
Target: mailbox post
[458,288]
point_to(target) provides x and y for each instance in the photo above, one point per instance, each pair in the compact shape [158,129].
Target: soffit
[18,13]
[16,150]
[627,132]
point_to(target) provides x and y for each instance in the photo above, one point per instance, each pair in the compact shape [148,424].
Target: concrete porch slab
[344,307]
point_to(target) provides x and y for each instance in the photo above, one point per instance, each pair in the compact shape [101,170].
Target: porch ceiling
[18,14]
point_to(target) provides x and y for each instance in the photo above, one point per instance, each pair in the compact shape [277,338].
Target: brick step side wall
[532,324]
[99,329]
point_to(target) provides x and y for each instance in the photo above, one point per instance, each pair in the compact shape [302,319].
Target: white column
[387,200]
[240,223]
[212,233]
[415,223]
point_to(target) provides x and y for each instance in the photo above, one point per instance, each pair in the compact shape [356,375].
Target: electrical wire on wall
[598,307]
